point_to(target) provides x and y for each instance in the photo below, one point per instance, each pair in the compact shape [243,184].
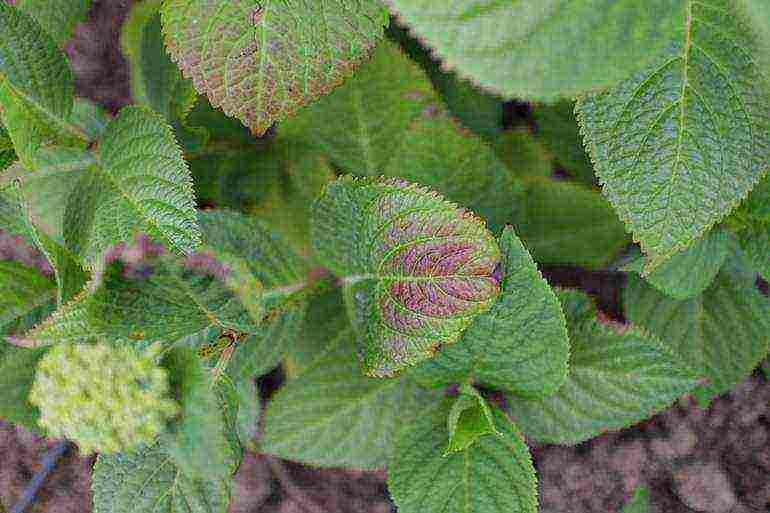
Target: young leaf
[198,441]
[417,268]
[679,145]
[566,223]
[141,185]
[723,333]
[17,373]
[492,475]
[146,293]
[57,17]
[469,419]
[148,481]
[618,376]
[261,61]
[358,124]
[36,86]
[519,345]
[536,49]
[690,272]
[558,129]
[331,415]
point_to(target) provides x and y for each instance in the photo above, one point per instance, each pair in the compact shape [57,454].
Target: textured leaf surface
[680,144]
[690,272]
[618,376]
[261,61]
[142,185]
[17,373]
[566,223]
[356,125]
[36,85]
[148,481]
[462,167]
[537,49]
[558,129]
[145,293]
[68,323]
[519,345]
[57,17]
[332,415]
[722,334]
[417,268]
[494,474]
[469,419]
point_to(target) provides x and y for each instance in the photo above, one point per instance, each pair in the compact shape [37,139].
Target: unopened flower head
[105,398]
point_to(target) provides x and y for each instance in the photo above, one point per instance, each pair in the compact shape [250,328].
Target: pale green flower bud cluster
[104,398]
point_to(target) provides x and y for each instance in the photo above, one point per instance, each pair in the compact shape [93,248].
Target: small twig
[49,463]
[291,489]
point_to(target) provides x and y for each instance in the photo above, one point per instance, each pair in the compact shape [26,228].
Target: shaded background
[714,460]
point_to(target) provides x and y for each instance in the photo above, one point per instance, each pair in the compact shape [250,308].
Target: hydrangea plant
[329,188]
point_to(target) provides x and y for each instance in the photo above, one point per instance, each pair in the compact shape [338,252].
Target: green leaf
[67,324]
[146,293]
[639,503]
[679,145]
[142,185]
[618,376]
[57,17]
[156,82]
[757,12]
[417,269]
[469,419]
[332,415]
[46,187]
[91,118]
[36,86]
[537,49]
[723,334]
[476,110]
[519,345]
[566,223]
[522,153]
[755,243]
[558,129]
[494,474]
[148,481]
[261,61]
[15,219]
[357,125]
[460,166]
[326,318]
[197,442]
[690,272]
[27,296]
[154,77]
[17,373]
